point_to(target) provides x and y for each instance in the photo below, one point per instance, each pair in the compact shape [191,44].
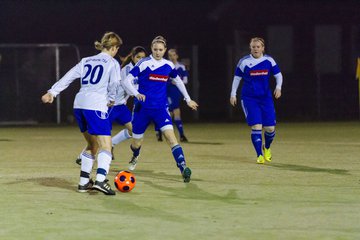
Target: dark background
[315,43]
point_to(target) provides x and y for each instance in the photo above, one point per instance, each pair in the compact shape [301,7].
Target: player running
[153,74]
[256,97]
[174,95]
[119,112]
[99,77]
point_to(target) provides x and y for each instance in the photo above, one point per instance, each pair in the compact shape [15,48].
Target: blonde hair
[258,39]
[159,39]
[109,40]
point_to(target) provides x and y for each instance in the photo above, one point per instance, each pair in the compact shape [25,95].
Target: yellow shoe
[267,154]
[260,160]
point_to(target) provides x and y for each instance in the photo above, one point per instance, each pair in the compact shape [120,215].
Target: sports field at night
[309,191]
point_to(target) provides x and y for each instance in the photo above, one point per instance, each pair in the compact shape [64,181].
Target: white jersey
[121,94]
[99,78]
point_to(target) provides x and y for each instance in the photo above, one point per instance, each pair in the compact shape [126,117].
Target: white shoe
[133,163]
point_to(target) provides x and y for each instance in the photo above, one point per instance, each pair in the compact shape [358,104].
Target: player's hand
[140,97]
[193,105]
[47,98]
[277,93]
[233,101]
[111,103]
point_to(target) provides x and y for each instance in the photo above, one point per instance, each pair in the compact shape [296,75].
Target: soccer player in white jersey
[256,98]
[153,73]
[99,77]
[174,95]
[119,112]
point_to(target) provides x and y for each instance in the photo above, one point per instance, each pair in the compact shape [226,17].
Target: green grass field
[311,190]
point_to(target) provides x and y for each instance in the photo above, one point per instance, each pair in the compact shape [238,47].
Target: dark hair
[132,53]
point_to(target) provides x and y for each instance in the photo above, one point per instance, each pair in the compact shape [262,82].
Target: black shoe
[78,160]
[186,174]
[159,136]
[183,139]
[86,187]
[103,187]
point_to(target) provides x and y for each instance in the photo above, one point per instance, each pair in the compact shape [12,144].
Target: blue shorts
[120,114]
[95,122]
[174,97]
[143,117]
[259,111]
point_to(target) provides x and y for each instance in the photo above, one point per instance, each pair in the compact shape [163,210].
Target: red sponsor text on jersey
[159,78]
[259,72]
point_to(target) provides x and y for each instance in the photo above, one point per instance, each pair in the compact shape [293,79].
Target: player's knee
[136,143]
[269,128]
[256,127]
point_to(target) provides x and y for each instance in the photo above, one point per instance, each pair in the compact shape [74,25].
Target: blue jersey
[256,73]
[153,76]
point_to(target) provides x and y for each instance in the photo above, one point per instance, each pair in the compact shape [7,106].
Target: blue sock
[179,126]
[269,137]
[179,157]
[156,128]
[256,138]
[136,151]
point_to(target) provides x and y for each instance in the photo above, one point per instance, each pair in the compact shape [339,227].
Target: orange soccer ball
[124,181]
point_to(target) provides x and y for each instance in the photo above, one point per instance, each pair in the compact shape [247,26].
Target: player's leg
[158,134]
[100,126]
[104,161]
[163,119]
[252,113]
[123,118]
[140,122]
[179,124]
[88,154]
[87,161]
[269,121]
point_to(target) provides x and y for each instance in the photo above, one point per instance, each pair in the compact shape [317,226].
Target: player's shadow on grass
[203,143]
[192,191]
[301,168]
[48,182]
[5,140]
[155,175]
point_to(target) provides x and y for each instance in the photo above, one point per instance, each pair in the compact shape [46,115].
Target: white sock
[104,160]
[87,161]
[121,136]
[84,150]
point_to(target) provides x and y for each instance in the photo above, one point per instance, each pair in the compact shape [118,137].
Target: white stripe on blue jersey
[152,79]
[256,73]
[99,77]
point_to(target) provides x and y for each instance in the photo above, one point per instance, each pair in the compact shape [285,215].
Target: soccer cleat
[133,163]
[183,139]
[78,160]
[267,154]
[260,160]
[186,174]
[103,187]
[86,187]
[159,136]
